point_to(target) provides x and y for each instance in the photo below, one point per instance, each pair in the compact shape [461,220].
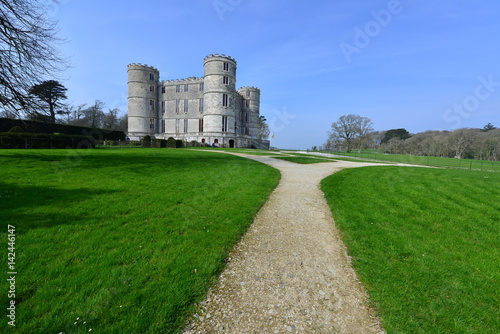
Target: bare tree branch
[27,52]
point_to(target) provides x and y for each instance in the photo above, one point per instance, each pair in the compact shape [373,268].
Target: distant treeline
[7,124]
[464,143]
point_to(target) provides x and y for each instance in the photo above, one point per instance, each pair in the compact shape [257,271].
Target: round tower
[251,110]
[221,101]
[142,100]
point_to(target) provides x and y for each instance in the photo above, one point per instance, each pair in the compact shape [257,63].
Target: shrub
[41,140]
[146,141]
[171,143]
[16,129]
[160,143]
[6,124]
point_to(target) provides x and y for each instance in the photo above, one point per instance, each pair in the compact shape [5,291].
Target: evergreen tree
[50,93]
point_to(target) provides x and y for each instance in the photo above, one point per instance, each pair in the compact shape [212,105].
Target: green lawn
[121,240]
[425,243]
[481,165]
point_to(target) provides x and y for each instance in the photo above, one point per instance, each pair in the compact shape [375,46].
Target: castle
[208,110]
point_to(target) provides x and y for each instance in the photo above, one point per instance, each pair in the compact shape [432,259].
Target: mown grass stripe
[425,244]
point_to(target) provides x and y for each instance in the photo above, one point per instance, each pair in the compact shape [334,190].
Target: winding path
[290,273]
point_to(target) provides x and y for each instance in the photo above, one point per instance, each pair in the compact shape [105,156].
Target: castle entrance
[231,143]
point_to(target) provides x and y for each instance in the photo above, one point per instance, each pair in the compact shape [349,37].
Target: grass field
[121,240]
[481,165]
[425,243]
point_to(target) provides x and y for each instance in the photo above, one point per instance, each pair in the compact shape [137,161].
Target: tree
[395,133]
[93,116]
[488,127]
[110,119]
[263,128]
[50,93]
[461,141]
[27,52]
[348,130]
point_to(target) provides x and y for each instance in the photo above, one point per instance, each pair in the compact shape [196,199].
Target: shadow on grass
[135,160]
[17,202]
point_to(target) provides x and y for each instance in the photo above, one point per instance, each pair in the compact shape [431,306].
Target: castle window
[178,88]
[246,117]
[200,125]
[152,105]
[185,126]
[248,93]
[163,126]
[226,66]
[186,88]
[225,80]
[177,103]
[151,123]
[152,88]
[163,90]
[247,131]
[177,126]
[202,87]
[201,105]
[163,107]
[186,106]
[151,76]
[247,103]
[225,100]
[224,123]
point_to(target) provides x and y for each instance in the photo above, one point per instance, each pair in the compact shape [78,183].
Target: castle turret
[250,110]
[142,100]
[220,97]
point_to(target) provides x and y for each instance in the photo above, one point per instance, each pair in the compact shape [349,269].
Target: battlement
[220,56]
[178,81]
[144,66]
[249,88]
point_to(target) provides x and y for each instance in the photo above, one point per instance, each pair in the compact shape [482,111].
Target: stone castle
[208,110]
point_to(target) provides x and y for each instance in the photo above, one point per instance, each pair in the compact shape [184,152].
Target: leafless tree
[350,130]
[27,51]
[93,115]
[110,119]
[461,141]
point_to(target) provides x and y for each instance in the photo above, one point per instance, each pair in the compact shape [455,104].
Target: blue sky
[414,64]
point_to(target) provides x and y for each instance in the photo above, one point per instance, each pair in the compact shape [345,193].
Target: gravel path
[290,273]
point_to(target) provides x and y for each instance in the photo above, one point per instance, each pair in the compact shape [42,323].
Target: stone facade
[208,110]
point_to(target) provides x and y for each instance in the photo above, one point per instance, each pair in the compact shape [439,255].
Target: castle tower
[220,97]
[250,110]
[142,100]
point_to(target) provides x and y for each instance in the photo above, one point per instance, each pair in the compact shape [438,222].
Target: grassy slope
[123,240]
[482,165]
[425,242]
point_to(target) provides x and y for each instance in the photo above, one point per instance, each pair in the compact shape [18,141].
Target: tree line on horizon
[353,132]
[49,95]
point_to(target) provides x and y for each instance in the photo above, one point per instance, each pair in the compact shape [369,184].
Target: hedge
[41,140]
[39,127]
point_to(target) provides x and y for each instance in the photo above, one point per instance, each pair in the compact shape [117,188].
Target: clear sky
[414,64]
